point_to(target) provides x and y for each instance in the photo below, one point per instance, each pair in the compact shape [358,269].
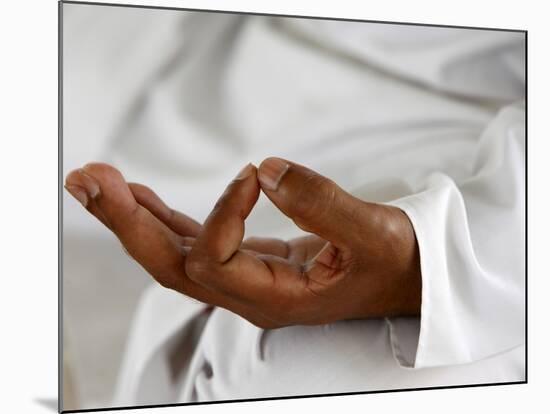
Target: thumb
[315,203]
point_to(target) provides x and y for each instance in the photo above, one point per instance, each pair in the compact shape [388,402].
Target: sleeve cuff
[436,338]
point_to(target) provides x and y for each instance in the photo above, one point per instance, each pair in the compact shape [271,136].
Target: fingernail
[245,172]
[271,172]
[90,183]
[78,193]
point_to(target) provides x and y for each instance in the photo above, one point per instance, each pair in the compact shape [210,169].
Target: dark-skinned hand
[360,259]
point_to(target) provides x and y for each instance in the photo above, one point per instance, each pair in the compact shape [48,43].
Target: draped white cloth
[427,119]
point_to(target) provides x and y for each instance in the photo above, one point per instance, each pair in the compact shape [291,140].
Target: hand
[361,260]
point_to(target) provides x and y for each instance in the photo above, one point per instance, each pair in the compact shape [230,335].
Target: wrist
[407,283]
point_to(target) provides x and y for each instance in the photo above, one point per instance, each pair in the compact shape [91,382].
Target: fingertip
[106,186]
[70,178]
[241,193]
[78,178]
[109,179]
[78,193]
[247,171]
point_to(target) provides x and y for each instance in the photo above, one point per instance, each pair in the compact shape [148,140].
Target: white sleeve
[471,237]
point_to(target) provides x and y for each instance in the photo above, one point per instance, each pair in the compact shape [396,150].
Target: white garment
[472,319]
[427,119]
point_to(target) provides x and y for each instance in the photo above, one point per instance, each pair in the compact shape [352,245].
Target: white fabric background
[293,89]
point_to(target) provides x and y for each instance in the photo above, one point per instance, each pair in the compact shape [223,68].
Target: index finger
[215,259]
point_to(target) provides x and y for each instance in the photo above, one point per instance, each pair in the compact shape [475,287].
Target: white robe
[427,119]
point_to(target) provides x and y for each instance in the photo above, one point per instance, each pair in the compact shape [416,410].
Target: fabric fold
[471,252]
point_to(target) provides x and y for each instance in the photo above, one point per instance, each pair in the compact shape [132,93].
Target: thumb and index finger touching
[315,203]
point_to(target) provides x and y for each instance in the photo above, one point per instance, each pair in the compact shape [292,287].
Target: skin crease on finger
[371,271]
